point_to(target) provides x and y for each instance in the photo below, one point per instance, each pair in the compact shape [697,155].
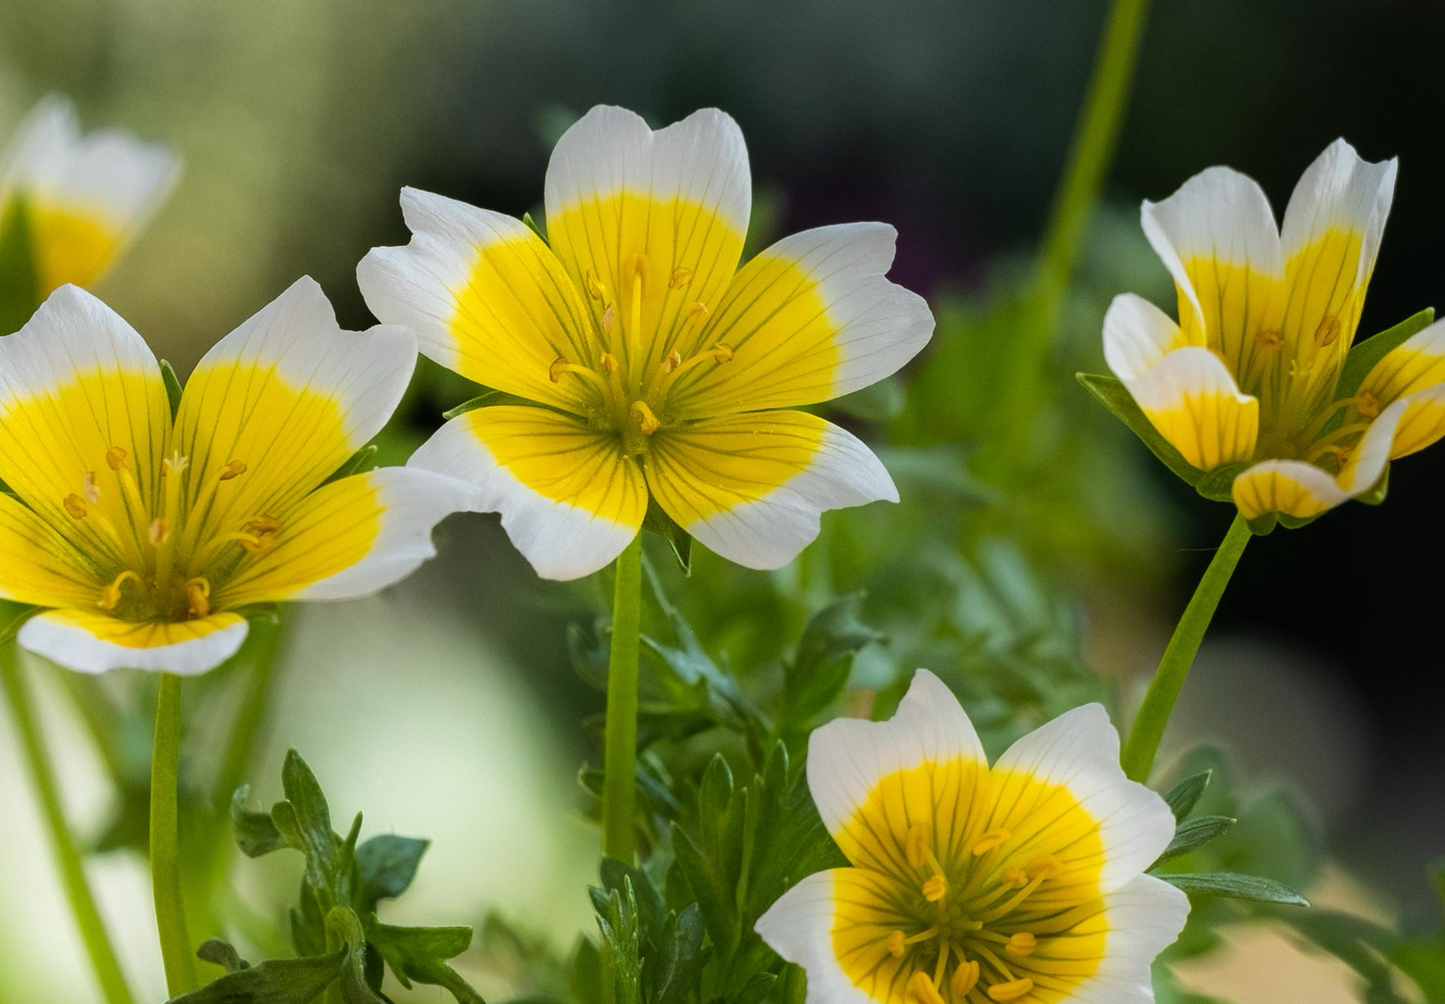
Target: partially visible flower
[1023,881]
[1251,382]
[644,366]
[84,196]
[148,537]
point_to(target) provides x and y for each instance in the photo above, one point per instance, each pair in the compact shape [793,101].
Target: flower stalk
[619,786]
[165,841]
[72,869]
[1143,743]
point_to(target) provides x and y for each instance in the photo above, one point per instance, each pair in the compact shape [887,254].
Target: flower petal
[1291,487]
[1417,364]
[751,487]
[570,499]
[669,208]
[1421,424]
[1139,920]
[290,396]
[1079,750]
[799,927]
[1217,237]
[811,318]
[75,382]
[86,195]
[486,297]
[1193,401]
[349,538]
[1137,335]
[38,566]
[88,641]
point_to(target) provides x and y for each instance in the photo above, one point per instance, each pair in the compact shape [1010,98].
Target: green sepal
[1218,485]
[679,540]
[276,981]
[533,226]
[1232,885]
[1192,834]
[173,386]
[1186,794]
[1378,490]
[358,462]
[1113,395]
[1264,524]
[19,282]
[1364,355]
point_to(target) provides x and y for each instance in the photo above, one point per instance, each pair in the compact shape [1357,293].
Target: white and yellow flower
[84,196]
[147,537]
[1251,376]
[1021,882]
[645,364]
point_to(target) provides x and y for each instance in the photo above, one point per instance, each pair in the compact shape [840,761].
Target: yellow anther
[90,490]
[921,990]
[915,845]
[935,889]
[595,289]
[115,458]
[609,363]
[1046,865]
[1021,944]
[1367,404]
[262,523]
[256,544]
[646,420]
[1328,331]
[964,978]
[558,367]
[680,277]
[160,531]
[198,597]
[993,838]
[232,470]
[697,313]
[609,318]
[1269,338]
[722,352]
[672,362]
[110,595]
[75,505]
[1016,877]
[896,944]
[1011,991]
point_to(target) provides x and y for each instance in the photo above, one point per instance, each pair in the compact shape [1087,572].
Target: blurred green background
[449,707]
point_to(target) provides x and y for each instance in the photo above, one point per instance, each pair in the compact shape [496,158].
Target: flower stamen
[990,840]
[198,597]
[1010,991]
[923,990]
[646,420]
[110,595]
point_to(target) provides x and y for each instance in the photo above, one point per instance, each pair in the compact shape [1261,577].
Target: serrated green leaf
[1114,396]
[420,954]
[173,386]
[682,957]
[622,945]
[1185,795]
[1364,355]
[19,283]
[1232,885]
[678,540]
[362,460]
[255,832]
[819,669]
[386,865]
[275,981]
[223,954]
[1194,833]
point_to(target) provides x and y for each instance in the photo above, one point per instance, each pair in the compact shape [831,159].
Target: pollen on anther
[646,420]
[1328,331]
[234,469]
[993,838]
[935,889]
[722,352]
[895,944]
[262,523]
[921,990]
[595,289]
[115,458]
[75,505]
[609,362]
[1046,865]
[198,597]
[964,979]
[1010,991]
[672,362]
[1021,944]
[1367,404]
[1016,877]
[680,277]
[1269,338]
[558,367]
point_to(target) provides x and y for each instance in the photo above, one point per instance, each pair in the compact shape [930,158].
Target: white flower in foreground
[84,196]
[1023,881]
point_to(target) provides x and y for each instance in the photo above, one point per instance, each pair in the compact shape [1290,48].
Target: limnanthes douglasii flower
[1251,382]
[643,365]
[148,537]
[83,196]
[1021,881]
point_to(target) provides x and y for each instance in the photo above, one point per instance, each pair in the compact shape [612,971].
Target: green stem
[1153,717]
[619,785]
[72,870]
[165,841]
[1091,153]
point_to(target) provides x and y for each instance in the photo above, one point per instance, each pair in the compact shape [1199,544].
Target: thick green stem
[1153,717]
[619,785]
[72,870]
[1091,153]
[165,841]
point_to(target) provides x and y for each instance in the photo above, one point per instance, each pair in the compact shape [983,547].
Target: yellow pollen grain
[935,889]
[1021,944]
[1367,404]
[234,469]
[921,990]
[964,978]
[896,944]
[75,505]
[646,420]
[1011,991]
[993,838]
[680,277]
[1328,331]
[115,458]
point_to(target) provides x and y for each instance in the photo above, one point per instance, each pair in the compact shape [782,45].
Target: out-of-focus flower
[83,197]
[642,364]
[148,536]
[1253,382]
[1023,881]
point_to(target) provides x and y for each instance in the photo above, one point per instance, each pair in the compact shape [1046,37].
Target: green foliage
[173,386]
[362,460]
[344,947]
[1113,395]
[1364,355]
[19,283]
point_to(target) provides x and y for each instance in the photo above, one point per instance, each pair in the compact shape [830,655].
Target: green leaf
[387,866]
[682,957]
[819,669]
[1114,396]
[223,954]
[1185,795]
[1364,355]
[1193,833]
[173,386]
[622,945]
[679,540]
[1232,885]
[19,283]
[276,981]
[487,399]
[420,954]
[532,226]
[254,832]
[358,462]
[360,979]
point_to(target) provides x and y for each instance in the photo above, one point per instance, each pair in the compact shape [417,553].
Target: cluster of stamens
[630,400]
[957,913]
[166,569]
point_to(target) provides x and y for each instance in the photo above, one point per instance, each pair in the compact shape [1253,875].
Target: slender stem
[165,841]
[72,870]
[1153,717]
[619,785]
[1091,153]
